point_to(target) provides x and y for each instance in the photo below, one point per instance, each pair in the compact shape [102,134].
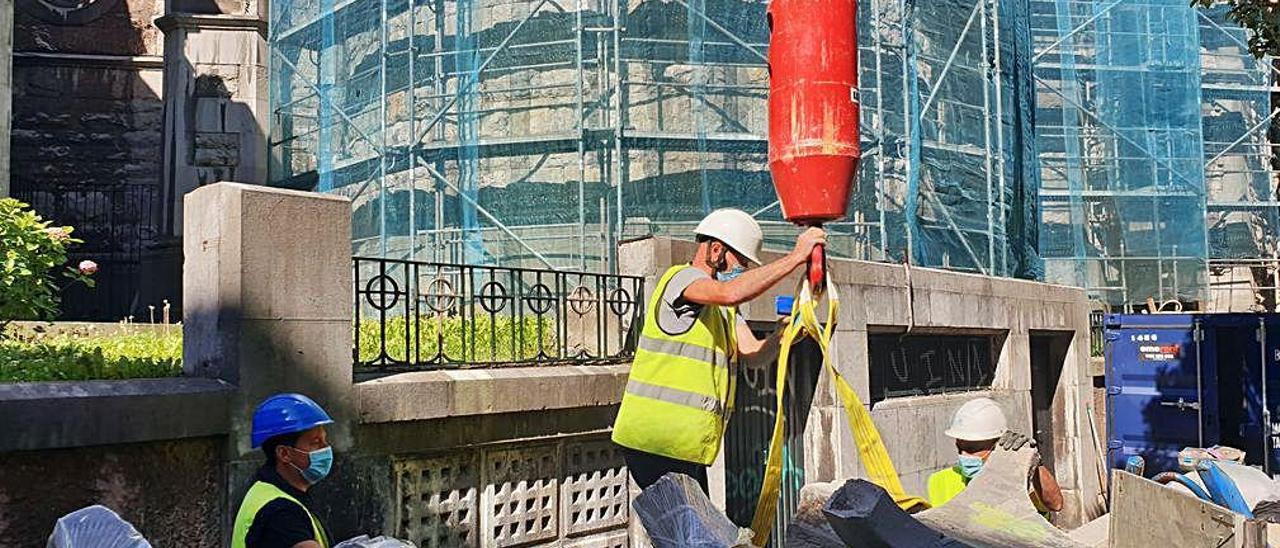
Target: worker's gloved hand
[1033,471]
[1013,441]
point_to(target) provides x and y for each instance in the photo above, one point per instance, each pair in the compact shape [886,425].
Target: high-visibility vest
[680,390]
[261,493]
[945,484]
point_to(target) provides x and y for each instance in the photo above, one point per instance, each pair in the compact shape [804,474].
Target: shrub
[30,252]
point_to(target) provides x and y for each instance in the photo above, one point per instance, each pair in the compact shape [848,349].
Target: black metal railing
[116,222]
[416,315]
[1096,342]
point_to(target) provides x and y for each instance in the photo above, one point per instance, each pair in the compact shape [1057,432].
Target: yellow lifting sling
[804,323]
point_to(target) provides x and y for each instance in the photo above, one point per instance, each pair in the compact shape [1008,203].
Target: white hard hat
[979,419]
[736,229]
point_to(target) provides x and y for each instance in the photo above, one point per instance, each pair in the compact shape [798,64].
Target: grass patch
[73,357]
[28,356]
[497,339]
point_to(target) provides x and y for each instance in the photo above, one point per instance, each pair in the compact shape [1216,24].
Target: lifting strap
[871,450]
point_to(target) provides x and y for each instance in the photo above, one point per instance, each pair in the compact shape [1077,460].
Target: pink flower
[58,233]
[88,268]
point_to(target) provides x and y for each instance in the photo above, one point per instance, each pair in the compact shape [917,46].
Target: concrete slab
[1145,513]
[439,394]
[50,415]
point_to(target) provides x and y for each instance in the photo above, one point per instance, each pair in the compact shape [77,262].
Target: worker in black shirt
[276,512]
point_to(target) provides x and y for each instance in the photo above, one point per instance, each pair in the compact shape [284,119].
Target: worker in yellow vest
[978,427]
[277,512]
[680,390]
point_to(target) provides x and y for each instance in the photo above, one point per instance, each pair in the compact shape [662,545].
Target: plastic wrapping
[864,514]
[363,541]
[95,527]
[677,514]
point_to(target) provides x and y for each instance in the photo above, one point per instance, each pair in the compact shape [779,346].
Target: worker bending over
[276,512]
[978,427]
[680,390]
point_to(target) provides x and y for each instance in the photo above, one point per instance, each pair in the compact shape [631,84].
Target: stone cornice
[228,22]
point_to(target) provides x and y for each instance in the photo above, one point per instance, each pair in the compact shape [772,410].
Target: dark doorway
[1048,355]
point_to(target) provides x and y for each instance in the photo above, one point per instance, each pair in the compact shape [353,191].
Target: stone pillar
[6,90]
[215,90]
[267,289]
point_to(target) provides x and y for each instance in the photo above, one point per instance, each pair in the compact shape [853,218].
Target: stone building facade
[121,107]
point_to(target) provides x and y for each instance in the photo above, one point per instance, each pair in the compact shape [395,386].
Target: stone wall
[878,298]
[86,126]
[169,490]
[87,94]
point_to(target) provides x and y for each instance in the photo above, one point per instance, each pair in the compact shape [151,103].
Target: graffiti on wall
[747,438]
[916,365]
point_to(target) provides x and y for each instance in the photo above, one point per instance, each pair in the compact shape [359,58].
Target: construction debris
[994,510]
[1145,513]
[677,514]
[363,541]
[809,527]
[95,527]
[864,514]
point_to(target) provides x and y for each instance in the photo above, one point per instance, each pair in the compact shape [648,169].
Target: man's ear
[281,453]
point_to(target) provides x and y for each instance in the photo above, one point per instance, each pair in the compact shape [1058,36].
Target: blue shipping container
[1191,380]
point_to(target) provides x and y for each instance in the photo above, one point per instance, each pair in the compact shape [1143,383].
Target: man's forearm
[1046,487]
[756,281]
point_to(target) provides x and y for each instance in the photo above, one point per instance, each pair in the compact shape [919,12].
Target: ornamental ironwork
[412,315]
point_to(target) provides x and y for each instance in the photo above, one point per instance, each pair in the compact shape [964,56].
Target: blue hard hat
[286,414]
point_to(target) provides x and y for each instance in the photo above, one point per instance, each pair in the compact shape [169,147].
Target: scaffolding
[1157,170]
[541,132]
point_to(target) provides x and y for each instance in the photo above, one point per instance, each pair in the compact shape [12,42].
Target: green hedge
[143,354]
[31,356]
[501,339]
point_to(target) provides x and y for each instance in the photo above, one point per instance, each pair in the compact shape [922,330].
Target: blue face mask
[321,462]
[970,466]
[731,275]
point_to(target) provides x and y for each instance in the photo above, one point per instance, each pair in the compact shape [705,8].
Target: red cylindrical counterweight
[813,107]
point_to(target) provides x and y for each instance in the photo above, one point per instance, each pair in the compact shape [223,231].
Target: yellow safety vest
[945,484]
[261,493]
[680,389]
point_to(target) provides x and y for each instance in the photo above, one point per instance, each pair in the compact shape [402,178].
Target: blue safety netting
[539,131]
[1152,134]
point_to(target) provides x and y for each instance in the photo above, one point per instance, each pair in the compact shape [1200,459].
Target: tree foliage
[1260,17]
